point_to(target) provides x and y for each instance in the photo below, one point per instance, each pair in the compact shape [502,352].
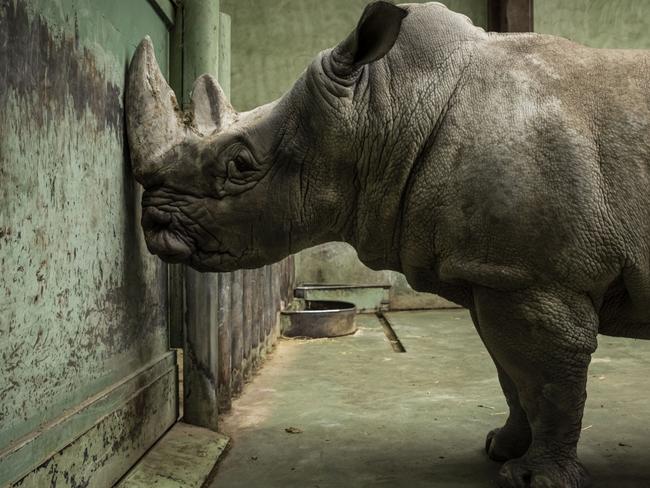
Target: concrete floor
[350,412]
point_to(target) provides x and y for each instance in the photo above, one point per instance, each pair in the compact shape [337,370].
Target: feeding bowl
[318,318]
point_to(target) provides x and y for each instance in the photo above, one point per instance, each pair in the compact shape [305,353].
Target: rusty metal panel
[82,303]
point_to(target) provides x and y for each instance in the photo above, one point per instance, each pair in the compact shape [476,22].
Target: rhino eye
[242,164]
[235,171]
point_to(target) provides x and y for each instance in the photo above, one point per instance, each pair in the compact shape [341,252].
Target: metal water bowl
[366,297]
[318,318]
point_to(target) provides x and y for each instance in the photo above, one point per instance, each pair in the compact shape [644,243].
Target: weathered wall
[272,43]
[596,23]
[82,303]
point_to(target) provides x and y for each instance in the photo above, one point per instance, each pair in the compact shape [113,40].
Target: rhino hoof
[523,473]
[502,446]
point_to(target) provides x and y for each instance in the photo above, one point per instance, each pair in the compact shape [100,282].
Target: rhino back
[540,171]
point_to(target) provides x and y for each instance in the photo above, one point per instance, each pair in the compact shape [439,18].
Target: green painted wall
[82,303]
[596,23]
[272,43]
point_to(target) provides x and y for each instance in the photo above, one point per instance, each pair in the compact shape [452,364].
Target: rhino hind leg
[513,439]
[619,317]
[543,341]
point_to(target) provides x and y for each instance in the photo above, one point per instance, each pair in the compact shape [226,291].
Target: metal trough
[318,318]
[367,297]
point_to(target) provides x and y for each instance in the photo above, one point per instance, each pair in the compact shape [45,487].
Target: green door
[87,380]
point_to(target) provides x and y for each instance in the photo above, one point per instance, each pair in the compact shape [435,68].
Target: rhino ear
[211,110]
[374,36]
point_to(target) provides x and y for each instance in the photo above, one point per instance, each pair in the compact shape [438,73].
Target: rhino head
[226,190]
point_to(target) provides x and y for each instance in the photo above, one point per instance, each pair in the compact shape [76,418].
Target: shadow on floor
[350,412]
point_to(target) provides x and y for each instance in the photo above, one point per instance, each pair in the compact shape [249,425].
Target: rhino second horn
[211,110]
[153,118]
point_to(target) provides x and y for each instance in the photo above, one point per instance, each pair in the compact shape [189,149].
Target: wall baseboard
[97,441]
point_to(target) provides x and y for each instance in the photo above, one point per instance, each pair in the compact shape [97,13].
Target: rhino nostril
[153,219]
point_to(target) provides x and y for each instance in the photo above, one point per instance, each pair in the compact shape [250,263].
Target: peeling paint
[52,66]
[82,303]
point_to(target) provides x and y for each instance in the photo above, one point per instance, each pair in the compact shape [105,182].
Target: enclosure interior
[106,351]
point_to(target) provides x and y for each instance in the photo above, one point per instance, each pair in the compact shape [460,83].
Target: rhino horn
[154,120]
[211,111]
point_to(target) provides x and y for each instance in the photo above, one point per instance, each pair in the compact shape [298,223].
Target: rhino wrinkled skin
[509,173]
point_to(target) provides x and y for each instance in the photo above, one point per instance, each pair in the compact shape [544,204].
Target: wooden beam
[510,15]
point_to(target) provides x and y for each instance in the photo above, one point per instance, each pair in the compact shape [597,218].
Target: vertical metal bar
[261,304]
[510,15]
[176,301]
[237,328]
[200,41]
[255,318]
[176,272]
[277,297]
[224,54]
[286,282]
[289,279]
[494,15]
[200,55]
[226,312]
[263,310]
[269,308]
[247,325]
[200,350]
[224,323]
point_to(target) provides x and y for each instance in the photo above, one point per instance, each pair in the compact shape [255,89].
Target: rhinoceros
[509,173]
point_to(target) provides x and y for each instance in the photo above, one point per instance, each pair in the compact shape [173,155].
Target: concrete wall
[85,368]
[596,23]
[272,43]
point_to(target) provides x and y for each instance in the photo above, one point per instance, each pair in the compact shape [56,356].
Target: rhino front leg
[513,439]
[543,340]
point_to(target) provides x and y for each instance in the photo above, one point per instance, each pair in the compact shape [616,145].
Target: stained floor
[350,412]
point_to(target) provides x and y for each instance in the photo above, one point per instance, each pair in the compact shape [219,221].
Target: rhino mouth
[164,238]
[168,237]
